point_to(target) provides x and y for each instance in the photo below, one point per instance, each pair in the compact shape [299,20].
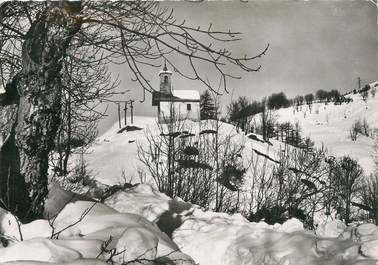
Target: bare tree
[359,127]
[267,122]
[365,95]
[38,37]
[368,195]
[346,179]
[290,187]
[309,98]
[354,130]
[365,128]
[368,192]
[84,86]
[238,112]
[204,168]
[264,118]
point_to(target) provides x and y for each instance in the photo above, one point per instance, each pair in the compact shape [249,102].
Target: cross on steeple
[165,66]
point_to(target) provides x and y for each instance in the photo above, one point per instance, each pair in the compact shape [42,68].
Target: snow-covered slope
[329,125]
[115,155]
[126,230]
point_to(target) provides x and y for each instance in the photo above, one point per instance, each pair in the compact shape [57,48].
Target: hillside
[140,225]
[114,153]
[114,156]
[329,125]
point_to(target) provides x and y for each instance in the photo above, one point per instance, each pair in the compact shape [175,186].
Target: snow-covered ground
[330,125]
[129,227]
[115,155]
[140,224]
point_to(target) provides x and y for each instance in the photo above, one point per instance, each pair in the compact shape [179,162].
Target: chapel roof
[186,94]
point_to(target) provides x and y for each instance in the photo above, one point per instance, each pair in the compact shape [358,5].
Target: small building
[175,104]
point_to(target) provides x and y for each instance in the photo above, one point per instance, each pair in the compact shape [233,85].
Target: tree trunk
[375,215]
[11,181]
[38,117]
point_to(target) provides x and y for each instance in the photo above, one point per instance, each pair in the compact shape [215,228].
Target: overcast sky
[313,45]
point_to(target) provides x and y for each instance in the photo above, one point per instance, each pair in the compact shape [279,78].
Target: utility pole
[359,82]
[125,109]
[119,102]
[132,111]
[119,115]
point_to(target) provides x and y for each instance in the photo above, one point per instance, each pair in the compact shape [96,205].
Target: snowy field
[131,227]
[329,125]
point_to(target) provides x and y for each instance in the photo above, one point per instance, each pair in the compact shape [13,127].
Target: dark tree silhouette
[238,111]
[309,98]
[321,95]
[299,100]
[208,109]
[277,101]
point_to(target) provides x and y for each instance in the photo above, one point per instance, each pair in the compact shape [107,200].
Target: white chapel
[175,104]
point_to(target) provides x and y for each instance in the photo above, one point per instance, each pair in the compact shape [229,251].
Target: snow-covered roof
[187,94]
[165,72]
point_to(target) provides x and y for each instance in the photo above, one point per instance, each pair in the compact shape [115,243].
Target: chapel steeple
[165,80]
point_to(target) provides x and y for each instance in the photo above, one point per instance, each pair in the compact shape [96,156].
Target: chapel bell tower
[165,80]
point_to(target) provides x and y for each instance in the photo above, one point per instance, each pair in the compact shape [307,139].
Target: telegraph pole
[125,102]
[119,115]
[125,109]
[132,111]
[359,82]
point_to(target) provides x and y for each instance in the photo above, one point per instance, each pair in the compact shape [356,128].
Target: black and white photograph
[189,132]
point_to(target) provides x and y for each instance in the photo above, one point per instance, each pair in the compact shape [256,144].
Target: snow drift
[90,233]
